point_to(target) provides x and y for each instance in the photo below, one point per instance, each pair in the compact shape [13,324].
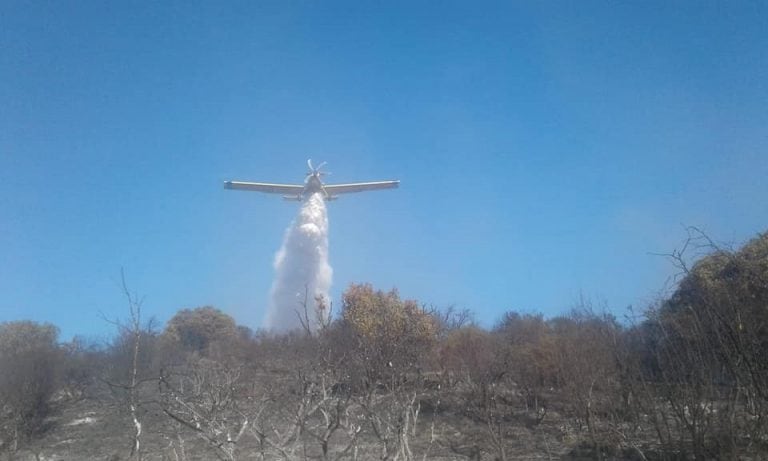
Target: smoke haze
[302,270]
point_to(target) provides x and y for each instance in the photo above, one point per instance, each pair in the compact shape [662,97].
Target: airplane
[312,184]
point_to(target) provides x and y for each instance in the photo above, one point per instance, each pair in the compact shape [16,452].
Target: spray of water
[302,272]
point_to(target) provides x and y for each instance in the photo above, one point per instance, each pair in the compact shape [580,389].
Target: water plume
[302,273]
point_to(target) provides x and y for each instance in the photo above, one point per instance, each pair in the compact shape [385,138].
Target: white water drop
[302,272]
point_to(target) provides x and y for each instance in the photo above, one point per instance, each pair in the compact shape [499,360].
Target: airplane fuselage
[314,185]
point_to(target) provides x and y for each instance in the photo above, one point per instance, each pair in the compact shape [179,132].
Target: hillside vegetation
[392,379]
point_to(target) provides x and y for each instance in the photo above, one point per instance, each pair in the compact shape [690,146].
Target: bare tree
[710,347]
[587,369]
[314,317]
[477,387]
[29,359]
[129,386]
[206,398]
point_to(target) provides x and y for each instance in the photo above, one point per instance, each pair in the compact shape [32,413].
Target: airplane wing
[287,189]
[334,189]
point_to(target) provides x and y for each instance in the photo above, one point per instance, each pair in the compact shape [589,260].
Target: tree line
[389,378]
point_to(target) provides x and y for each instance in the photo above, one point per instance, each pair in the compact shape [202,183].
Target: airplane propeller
[316,170]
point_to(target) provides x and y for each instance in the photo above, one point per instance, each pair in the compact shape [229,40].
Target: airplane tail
[292,198]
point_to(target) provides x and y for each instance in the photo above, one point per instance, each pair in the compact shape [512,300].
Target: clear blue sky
[544,148]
